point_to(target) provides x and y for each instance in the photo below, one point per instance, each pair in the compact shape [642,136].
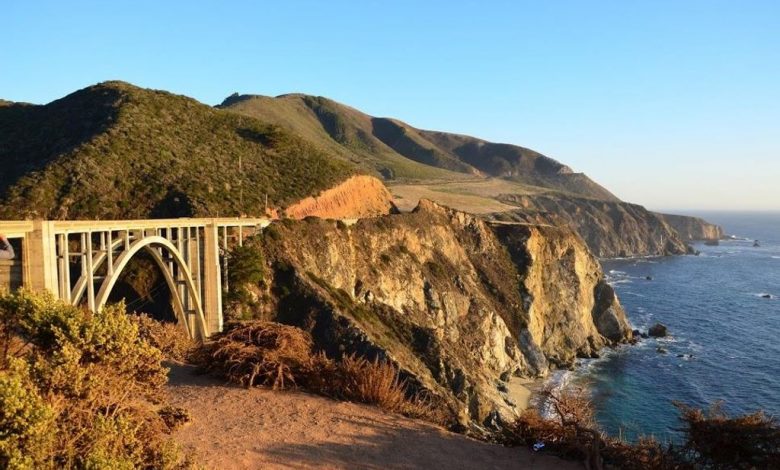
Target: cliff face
[358,196]
[693,228]
[611,229]
[464,307]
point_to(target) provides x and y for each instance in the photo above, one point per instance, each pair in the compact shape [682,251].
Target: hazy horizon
[667,104]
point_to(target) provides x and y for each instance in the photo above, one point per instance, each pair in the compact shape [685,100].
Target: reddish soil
[233,427]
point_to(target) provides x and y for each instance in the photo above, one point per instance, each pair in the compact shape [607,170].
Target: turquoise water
[725,342]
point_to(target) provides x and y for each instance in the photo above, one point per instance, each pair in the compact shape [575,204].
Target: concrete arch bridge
[81,261]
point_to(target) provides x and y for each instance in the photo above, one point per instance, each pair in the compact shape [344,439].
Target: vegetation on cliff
[708,439]
[114,150]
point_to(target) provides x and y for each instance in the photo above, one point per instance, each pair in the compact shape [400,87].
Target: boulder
[658,330]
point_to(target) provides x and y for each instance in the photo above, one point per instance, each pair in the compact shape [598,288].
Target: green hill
[114,150]
[402,153]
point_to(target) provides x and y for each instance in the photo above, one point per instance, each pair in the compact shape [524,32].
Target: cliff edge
[464,307]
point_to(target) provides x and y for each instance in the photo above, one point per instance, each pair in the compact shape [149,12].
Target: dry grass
[282,356]
[372,382]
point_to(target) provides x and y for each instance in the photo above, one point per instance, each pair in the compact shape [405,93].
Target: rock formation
[358,196]
[461,305]
[611,229]
[693,228]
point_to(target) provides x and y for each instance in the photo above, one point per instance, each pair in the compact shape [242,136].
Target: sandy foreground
[233,427]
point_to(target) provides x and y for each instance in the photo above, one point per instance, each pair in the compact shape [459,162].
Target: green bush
[82,390]
[245,269]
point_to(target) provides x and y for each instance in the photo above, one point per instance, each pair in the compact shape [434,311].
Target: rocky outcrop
[358,196]
[461,305]
[611,229]
[693,228]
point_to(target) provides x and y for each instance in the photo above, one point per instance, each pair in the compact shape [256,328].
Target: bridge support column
[212,279]
[39,258]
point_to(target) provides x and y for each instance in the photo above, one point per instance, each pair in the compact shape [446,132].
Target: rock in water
[658,330]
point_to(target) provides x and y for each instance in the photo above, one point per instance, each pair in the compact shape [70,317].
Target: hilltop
[114,150]
[400,152]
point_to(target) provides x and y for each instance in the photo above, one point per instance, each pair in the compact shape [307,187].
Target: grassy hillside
[339,130]
[114,150]
[402,153]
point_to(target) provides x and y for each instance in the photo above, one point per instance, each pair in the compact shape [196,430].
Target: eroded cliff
[611,229]
[461,305]
[358,196]
[693,228]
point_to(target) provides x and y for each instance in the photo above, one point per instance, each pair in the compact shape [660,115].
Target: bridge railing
[43,256]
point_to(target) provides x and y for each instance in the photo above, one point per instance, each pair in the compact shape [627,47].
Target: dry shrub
[170,338]
[710,440]
[282,356]
[715,439]
[646,453]
[260,353]
[372,382]
[570,431]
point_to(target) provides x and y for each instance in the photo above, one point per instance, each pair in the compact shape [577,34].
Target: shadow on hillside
[33,135]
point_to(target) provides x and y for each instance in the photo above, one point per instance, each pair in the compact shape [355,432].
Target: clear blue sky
[672,104]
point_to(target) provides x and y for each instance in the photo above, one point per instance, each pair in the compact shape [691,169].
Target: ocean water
[725,337]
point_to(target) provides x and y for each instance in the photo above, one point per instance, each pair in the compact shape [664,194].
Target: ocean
[725,335]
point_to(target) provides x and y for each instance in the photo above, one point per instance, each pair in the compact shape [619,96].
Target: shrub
[282,356]
[245,269]
[714,439]
[372,382]
[709,440]
[84,391]
[171,339]
[260,353]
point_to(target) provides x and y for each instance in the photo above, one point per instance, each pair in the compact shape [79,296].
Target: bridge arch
[154,245]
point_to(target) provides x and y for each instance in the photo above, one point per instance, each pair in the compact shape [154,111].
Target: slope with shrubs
[401,152]
[707,440]
[281,356]
[79,389]
[114,150]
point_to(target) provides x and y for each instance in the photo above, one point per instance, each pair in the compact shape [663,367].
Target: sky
[671,104]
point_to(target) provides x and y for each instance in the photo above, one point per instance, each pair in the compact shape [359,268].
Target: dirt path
[238,428]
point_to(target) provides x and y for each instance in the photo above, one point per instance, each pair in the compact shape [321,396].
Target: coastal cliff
[611,229]
[693,228]
[464,307]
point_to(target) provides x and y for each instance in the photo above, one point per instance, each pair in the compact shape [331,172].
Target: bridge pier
[39,270]
[212,278]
